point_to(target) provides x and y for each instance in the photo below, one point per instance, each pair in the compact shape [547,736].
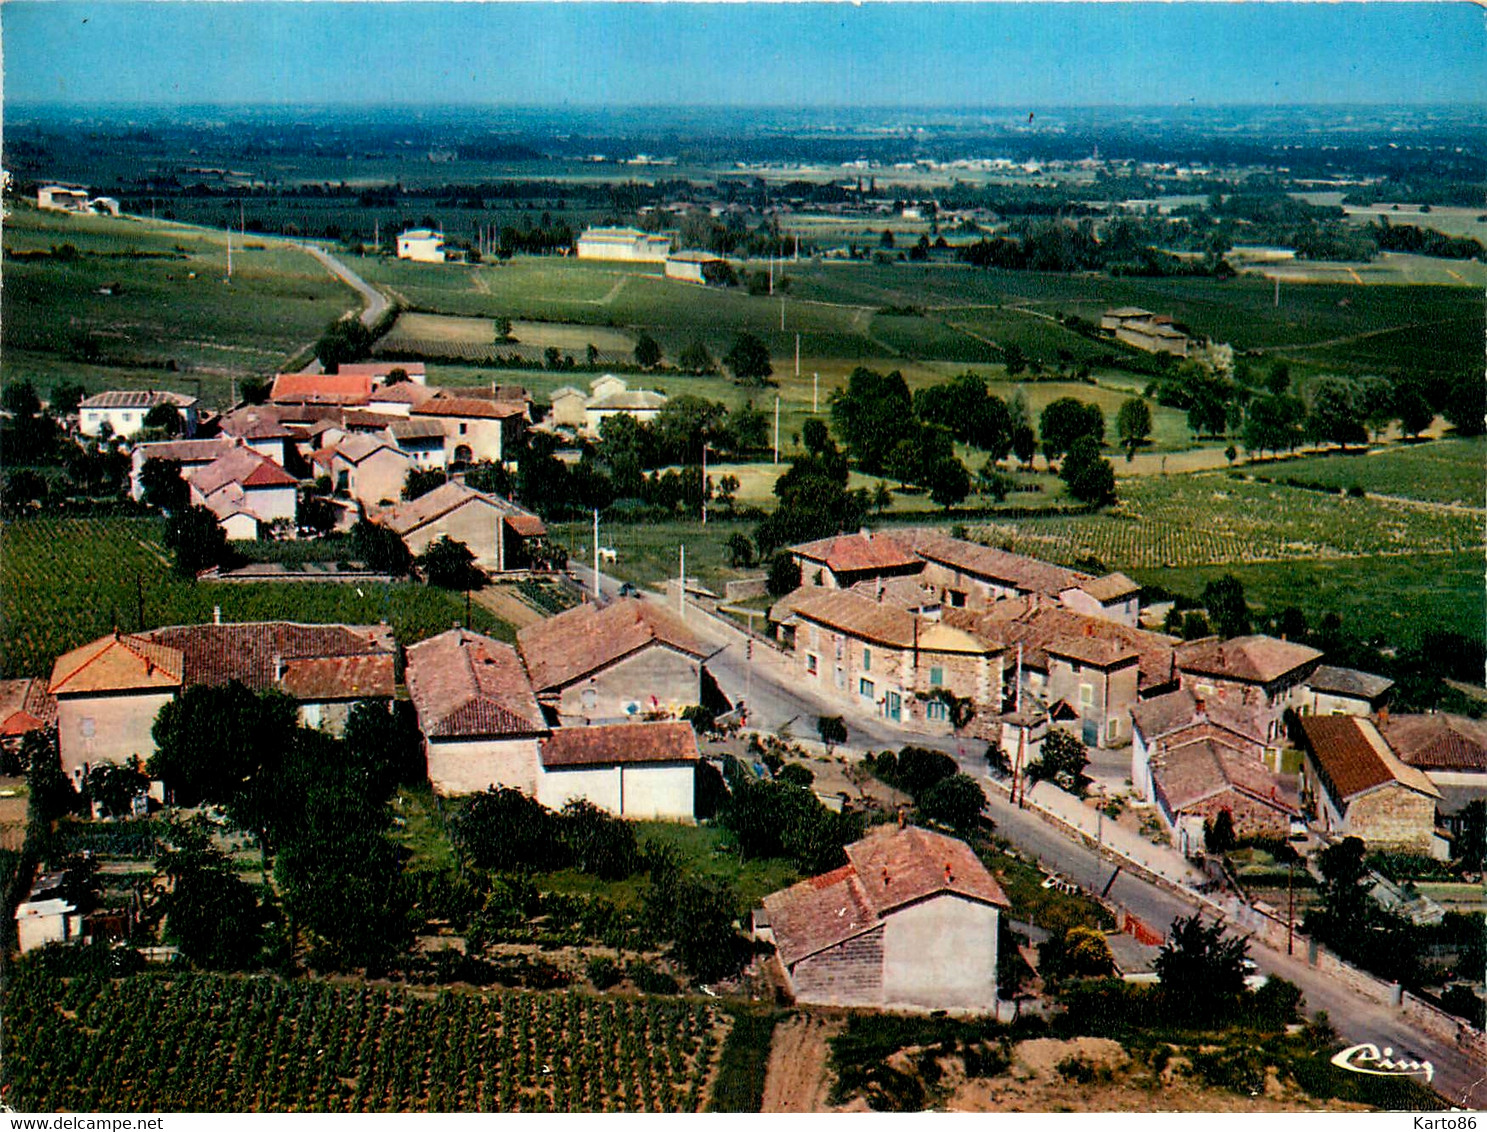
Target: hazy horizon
[879,57]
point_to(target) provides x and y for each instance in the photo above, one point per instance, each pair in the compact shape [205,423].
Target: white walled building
[422,245]
[628,244]
[124,411]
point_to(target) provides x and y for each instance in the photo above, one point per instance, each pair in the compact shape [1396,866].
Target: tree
[647,351]
[1335,415]
[1218,833]
[1133,425]
[948,482]
[397,376]
[1413,408]
[872,415]
[1273,423]
[748,360]
[502,327]
[163,486]
[19,399]
[740,551]
[115,786]
[314,512]
[504,830]
[1024,444]
[165,418]
[450,565]
[1065,420]
[727,491]
[65,398]
[597,842]
[956,801]
[1201,969]
[1090,477]
[1464,405]
[1346,907]
[421,481]
[1227,609]
[1472,844]
[1078,953]
[211,914]
[1061,761]
[382,746]
[381,548]
[784,575]
[832,729]
[696,358]
[197,539]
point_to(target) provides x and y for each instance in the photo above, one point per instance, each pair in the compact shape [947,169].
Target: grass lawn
[69,581]
[422,828]
[1450,470]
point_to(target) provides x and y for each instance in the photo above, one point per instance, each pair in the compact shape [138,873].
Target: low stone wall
[1445,1026]
[1352,977]
[741,589]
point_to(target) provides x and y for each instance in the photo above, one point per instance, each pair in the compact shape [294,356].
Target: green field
[69,581]
[176,319]
[1441,471]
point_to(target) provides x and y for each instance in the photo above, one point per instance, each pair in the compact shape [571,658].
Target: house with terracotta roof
[644,405]
[1179,717]
[1267,674]
[1113,597]
[109,691]
[474,428]
[842,561]
[879,659]
[348,388]
[189,454]
[124,411]
[399,400]
[422,439]
[646,771]
[1358,787]
[1330,690]
[910,922]
[1450,749]
[273,431]
[370,469]
[972,576]
[1196,779]
[25,706]
[630,659]
[568,405]
[245,491]
[500,534]
[478,713]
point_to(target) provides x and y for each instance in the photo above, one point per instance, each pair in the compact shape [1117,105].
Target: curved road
[376,302]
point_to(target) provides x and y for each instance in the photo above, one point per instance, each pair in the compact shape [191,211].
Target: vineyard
[69,581]
[511,355]
[211,1043]
[1203,520]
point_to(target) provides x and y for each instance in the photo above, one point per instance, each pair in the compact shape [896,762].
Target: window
[841,677]
[895,705]
[810,663]
[957,598]
[1086,694]
[865,689]
[867,660]
[87,727]
[464,428]
[590,699]
[937,677]
[937,711]
[1110,730]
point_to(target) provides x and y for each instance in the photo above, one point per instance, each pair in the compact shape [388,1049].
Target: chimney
[216,615]
[1202,710]
[278,667]
[902,820]
[1384,716]
[949,875]
[1089,630]
[887,880]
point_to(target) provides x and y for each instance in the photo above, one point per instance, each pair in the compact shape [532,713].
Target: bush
[648,980]
[604,972]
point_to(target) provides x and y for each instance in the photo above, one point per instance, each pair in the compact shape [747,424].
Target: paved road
[376,302]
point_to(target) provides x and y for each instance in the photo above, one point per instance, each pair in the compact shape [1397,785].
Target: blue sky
[807,54]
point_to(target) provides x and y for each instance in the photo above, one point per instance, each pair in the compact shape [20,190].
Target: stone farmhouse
[694,266]
[1450,749]
[910,922]
[1258,672]
[629,660]
[843,561]
[646,771]
[369,469]
[1179,717]
[502,536]
[1344,691]
[608,396]
[1154,333]
[474,428]
[1358,787]
[246,491]
[1195,779]
[109,691]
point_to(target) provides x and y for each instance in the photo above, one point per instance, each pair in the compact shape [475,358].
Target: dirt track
[795,1080]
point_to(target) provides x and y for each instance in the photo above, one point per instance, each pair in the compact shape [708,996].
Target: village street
[775,699]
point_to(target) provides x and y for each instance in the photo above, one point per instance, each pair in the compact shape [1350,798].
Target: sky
[744,54]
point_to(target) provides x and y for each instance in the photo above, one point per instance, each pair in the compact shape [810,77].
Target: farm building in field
[501,535]
[109,692]
[628,660]
[1344,691]
[910,922]
[627,244]
[1179,717]
[841,561]
[244,490]
[884,661]
[1154,333]
[695,266]
[62,198]
[421,245]
[1196,779]
[479,716]
[568,405]
[40,922]
[646,771]
[475,429]
[124,411]
[644,405]
[1359,787]
[1265,674]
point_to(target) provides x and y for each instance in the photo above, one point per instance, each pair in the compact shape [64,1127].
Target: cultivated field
[69,581]
[195,1043]
[1450,470]
[172,319]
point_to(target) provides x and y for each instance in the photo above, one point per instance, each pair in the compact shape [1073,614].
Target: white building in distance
[422,245]
[629,244]
[124,411]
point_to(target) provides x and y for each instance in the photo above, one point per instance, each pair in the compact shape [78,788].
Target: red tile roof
[116,663]
[1438,741]
[469,407]
[628,743]
[346,388]
[1098,652]
[465,685]
[241,466]
[528,526]
[1036,624]
[434,505]
[186,451]
[380,369]
[582,640]
[1254,660]
[859,552]
[1351,757]
[1016,571]
[851,614]
[1110,587]
[25,705]
[1174,712]
[310,655]
[885,871]
[1195,771]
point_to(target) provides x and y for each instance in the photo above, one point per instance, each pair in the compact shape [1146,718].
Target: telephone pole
[777,428]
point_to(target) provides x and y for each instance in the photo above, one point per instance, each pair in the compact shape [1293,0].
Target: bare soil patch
[796,1080]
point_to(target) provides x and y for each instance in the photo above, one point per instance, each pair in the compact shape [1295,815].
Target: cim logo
[1365,1058]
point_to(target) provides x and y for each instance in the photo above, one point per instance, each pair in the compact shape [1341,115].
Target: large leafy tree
[647,351]
[1273,423]
[450,565]
[1067,419]
[956,801]
[1223,598]
[1133,425]
[381,548]
[1335,414]
[163,486]
[197,539]
[748,360]
[1201,969]
[1061,760]
[1089,475]
[211,914]
[871,415]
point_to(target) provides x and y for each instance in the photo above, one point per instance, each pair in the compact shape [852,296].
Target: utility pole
[782,313]
[777,428]
[704,483]
[681,592]
[1290,902]
[797,347]
[596,554]
[771,273]
[1277,290]
[815,392]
